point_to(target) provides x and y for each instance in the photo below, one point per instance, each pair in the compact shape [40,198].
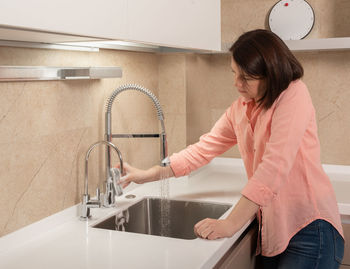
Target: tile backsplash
[46,128]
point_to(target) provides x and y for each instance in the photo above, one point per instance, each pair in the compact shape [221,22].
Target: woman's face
[246,85]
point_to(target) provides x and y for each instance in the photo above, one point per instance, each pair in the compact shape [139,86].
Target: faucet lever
[98,194]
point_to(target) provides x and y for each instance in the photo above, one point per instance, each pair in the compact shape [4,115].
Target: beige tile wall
[46,128]
[326,75]
[172,95]
[209,93]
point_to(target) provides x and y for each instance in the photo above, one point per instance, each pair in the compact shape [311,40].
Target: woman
[273,122]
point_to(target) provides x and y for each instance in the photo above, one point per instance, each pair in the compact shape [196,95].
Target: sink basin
[162,217]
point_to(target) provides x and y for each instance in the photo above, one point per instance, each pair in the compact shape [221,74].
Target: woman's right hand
[139,176]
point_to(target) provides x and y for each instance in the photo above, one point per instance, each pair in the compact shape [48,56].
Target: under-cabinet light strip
[24,44]
[33,73]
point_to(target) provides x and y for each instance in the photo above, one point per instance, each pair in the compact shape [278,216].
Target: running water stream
[164,205]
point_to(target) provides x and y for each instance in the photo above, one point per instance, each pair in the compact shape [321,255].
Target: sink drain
[130,196]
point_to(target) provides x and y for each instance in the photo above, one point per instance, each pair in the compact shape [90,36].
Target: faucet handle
[98,194]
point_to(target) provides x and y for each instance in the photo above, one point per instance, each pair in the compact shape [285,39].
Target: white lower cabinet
[346,229]
[242,253]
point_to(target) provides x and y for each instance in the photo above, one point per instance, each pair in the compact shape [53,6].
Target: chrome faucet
[108,124]
[112,184]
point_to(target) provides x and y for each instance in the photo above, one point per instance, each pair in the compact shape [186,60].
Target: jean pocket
[306,243]
[338,246]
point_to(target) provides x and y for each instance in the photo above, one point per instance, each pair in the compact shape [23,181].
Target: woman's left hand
[213,229]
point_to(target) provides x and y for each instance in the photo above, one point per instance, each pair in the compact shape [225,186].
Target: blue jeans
[318,245]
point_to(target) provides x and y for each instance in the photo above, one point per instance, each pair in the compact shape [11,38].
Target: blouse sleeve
[221,137]
[290,120]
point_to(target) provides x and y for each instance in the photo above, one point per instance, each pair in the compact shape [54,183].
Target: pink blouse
[281,154]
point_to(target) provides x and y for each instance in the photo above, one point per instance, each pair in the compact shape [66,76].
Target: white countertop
[63,241]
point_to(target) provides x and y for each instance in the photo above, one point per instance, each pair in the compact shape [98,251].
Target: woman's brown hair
[262,54]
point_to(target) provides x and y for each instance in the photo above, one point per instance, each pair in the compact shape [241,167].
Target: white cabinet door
[180,23]
[101,19]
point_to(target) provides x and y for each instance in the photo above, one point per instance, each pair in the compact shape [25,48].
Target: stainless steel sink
[170,218]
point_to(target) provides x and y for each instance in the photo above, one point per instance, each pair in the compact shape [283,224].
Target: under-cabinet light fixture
[58,46]
[32,73]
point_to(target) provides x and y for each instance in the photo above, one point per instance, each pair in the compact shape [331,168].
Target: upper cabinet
[188,24]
